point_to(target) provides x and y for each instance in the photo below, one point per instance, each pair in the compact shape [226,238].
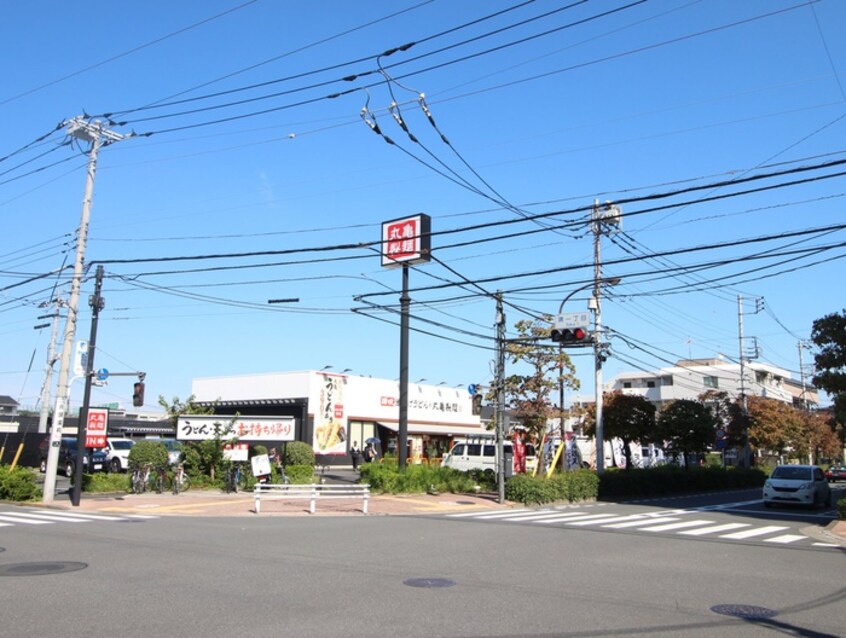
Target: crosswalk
[677,522]
[10,518]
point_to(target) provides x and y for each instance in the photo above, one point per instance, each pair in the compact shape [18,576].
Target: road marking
[715,529]
[785,538]
[499,514]
[13,519]
[757,531]
[638,523]
[477,513]
[49,516]
[596,519]
[92,517]
[564,518]
[536,516]
[673,526]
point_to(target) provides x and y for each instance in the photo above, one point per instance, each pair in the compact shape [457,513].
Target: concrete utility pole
[744,409]
[500,398]
[48,368]
[97,136]
[607,214]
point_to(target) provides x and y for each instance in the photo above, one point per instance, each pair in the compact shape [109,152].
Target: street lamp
[598,356]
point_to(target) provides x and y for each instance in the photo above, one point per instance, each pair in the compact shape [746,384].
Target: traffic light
[477,404]
[575,336]
[138,394]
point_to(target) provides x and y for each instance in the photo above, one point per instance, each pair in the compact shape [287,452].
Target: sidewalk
[216,503]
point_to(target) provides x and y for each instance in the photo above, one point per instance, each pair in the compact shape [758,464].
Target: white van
[480,454]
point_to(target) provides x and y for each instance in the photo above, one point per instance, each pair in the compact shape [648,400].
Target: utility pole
[48,368]
[97,136]
[97,303]
[804,397]
[500,398]
[607,214]
[744,411]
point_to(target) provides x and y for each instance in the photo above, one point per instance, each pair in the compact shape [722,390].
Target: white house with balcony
[689,378]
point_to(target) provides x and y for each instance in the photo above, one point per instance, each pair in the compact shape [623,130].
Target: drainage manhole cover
[40,569]
[750,612]
[429,582]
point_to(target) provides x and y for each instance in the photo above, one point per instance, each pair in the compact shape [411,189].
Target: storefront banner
[192,427]
[330,421]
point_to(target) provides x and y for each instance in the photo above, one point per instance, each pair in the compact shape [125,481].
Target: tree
[687,427]
[204,456]
[829,335]
[628,417]
[529,395]
[774,425]
[820,440]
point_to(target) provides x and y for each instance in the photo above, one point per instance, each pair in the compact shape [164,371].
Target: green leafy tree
[628,417]
[829,335]
[687,427]
[148,452]
[530,394]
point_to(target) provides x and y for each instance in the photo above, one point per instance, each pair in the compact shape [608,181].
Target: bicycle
[180,482]
[235,478]
[140,478]
[161,480]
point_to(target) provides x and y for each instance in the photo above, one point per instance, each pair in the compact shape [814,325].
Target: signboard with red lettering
[96,428]
[406,241]
[193,427]
[236,451]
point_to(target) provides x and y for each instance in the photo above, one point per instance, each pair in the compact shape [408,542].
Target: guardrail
[312,493]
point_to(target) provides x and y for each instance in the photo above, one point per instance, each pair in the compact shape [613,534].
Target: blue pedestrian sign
[102,374]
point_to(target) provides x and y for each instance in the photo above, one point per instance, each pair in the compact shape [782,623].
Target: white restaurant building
[331,411]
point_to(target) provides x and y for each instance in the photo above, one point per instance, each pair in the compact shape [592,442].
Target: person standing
[355,453]
[369,453]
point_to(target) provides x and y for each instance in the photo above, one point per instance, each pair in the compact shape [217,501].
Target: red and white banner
[96,427]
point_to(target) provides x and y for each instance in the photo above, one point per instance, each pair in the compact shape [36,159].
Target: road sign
[573,320]
[102,374]
[97,425]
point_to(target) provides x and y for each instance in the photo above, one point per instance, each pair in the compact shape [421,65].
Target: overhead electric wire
[161,104]
[125,53]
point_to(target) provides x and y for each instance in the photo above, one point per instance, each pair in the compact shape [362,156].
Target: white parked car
[797,484]
[117,454]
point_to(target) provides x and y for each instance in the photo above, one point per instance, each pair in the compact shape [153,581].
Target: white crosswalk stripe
[49,517]
[661,521]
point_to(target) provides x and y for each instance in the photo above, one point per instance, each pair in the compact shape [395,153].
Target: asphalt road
[361,576]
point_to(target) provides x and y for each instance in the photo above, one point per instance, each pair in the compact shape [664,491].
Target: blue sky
[251,152]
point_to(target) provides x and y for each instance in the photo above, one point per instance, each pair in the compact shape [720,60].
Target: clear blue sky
[540,107]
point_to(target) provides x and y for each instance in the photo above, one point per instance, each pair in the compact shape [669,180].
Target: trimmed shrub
[297,453]
[841,509]
[106,482]
[152,453]
[416,479]
[578,485]
[300,474]
[671,479]
[18,484]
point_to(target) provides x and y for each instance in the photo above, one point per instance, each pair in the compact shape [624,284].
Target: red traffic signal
[570,336]
[138,395]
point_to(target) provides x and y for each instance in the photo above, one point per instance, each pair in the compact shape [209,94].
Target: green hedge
[841,509]
[671,479]
[416,479]
[300,474]
[573,486]
[18,484]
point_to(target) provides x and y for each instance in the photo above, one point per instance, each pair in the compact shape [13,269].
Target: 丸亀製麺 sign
[96,427]
[406,241]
